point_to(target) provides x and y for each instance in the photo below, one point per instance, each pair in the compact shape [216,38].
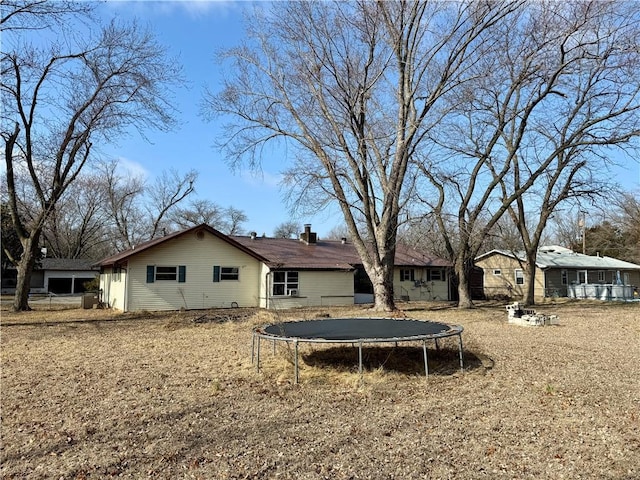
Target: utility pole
[582,222]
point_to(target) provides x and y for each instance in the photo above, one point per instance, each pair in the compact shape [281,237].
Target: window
[582,277]
[165,273]
[229,273]
[497,272]
[221,274]
[436,275]
[564,278]
[519,276]
[601,276]
[407,274]
[284,282]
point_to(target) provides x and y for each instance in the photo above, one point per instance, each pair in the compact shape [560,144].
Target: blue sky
[193,31]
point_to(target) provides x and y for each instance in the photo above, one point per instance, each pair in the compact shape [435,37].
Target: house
[559,272]
[55,275]
[202,268]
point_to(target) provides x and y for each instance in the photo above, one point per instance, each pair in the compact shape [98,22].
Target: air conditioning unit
[293,292]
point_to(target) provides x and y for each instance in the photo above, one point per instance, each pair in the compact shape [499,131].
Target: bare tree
[235,219]
[561,89]
[168,190]
[77,226]
[628,219]
[287,229]
[197,212]
[29,15]
[337,233]
[227,220]
[123,192]
[139,210]
[60,100]
[352,88]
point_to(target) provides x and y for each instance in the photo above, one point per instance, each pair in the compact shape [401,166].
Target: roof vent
[253,235]
[343,240]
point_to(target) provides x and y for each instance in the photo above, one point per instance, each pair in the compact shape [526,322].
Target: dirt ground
[96,394]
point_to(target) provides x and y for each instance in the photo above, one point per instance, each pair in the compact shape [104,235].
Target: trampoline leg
[274,347]
[360,358]
[295,361]
[426,362]
[258,355]
[437,345]
[460,346]
[253,346]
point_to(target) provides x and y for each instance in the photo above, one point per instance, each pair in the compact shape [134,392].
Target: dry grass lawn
[96,394]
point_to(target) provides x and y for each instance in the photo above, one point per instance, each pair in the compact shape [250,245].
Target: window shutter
[182,273]
[151,273]
[216,273]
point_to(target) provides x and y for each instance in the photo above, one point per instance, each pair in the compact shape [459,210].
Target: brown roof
[327,254]
[289,253]
[292,253]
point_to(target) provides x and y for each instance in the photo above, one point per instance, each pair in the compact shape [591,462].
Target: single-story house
[559,272]
[55,275]
[202,268]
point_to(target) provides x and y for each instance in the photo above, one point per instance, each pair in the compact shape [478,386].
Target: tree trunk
[383,294]
[381,277]
[530,269]
[25,268]
[463,269]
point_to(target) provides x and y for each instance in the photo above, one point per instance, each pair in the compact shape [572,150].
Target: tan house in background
[559,272]
[202,268]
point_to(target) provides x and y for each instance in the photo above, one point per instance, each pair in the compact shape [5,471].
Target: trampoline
[357,331]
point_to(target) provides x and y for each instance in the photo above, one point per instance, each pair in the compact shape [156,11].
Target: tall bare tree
[351,88]
[140,210]
[628,219]
[60,99]
[77,227]
[562,90]
[227,220]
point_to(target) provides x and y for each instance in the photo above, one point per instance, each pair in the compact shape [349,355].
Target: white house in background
[60,276]
[559,272]
[202,268]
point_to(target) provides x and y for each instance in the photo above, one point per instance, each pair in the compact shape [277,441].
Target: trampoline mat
[347,329]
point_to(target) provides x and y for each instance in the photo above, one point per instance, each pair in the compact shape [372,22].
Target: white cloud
[261,178]
[131,168]
[194,8]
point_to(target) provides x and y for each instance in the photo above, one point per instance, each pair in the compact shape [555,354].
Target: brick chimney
[308,236]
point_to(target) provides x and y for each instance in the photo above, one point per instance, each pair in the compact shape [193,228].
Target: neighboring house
[202,268]
[559,272]
[55,275]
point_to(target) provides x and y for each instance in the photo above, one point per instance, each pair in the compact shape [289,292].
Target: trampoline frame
[259,333]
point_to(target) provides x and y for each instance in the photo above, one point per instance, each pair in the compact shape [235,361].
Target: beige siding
[504,282]
[318,288]
[263,288]
[420,289]
[113,288]
[199,255]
